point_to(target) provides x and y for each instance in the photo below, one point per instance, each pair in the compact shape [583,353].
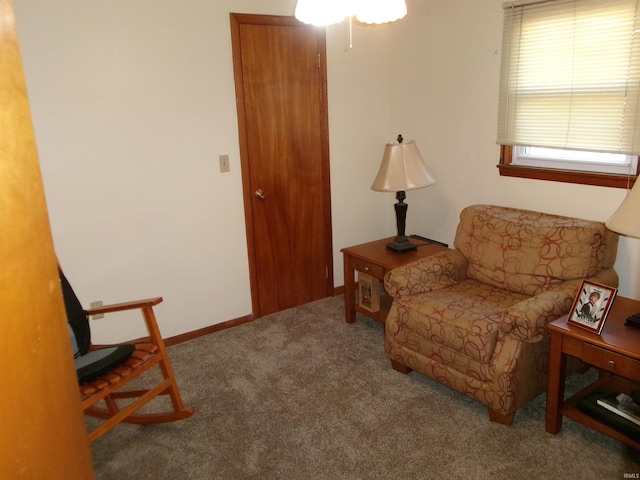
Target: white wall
[133,101]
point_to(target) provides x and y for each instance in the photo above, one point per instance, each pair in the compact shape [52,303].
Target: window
[570,91]
[574,160]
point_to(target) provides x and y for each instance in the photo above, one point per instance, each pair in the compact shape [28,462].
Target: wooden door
[280,77]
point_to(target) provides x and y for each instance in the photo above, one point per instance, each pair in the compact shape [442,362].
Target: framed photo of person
[591,306]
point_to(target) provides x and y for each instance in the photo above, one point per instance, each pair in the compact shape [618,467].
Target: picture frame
[591,306]
[368,292]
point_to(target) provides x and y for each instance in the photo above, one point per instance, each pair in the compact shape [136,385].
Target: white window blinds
[570,75]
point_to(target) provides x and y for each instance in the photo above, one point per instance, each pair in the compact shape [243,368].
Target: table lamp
[402,169]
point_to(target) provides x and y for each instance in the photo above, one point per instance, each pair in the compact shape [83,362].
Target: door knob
[259,194]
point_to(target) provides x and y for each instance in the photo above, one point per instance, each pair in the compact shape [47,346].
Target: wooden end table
[374,259]
[615,352]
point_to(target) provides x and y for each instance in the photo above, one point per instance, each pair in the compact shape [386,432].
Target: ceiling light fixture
[329,12]
[382,11]
[321,13]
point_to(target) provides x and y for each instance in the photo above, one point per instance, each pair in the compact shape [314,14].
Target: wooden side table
[616,352]
[374,259]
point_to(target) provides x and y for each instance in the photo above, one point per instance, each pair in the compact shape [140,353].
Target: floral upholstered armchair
[474,317]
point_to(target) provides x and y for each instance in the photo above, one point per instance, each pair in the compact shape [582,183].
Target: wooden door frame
[236,20]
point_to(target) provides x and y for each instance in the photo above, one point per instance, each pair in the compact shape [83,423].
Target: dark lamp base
[401,245]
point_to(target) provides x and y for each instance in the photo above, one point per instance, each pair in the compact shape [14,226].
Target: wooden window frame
[507,169]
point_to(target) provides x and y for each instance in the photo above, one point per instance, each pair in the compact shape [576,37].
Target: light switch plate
[224,163]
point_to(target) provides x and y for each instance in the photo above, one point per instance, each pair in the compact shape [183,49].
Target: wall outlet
[224,163]
[97,303]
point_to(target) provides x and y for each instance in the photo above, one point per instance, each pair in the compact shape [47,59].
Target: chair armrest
[425,275]
[118,307]
[146,307]
[528,319]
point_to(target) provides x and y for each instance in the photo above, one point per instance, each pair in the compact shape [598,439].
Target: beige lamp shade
[402,168]
[626,219]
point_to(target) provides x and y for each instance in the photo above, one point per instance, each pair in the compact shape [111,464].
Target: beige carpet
[303,395]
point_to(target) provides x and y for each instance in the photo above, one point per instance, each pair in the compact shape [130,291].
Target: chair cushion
[527,252]
[464,318]
[78,322]
[101,360]
[144,352]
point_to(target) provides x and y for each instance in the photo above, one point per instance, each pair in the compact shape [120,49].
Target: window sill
[507,169]
[568,176]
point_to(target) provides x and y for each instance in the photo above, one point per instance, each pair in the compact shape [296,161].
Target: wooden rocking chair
[104,371]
